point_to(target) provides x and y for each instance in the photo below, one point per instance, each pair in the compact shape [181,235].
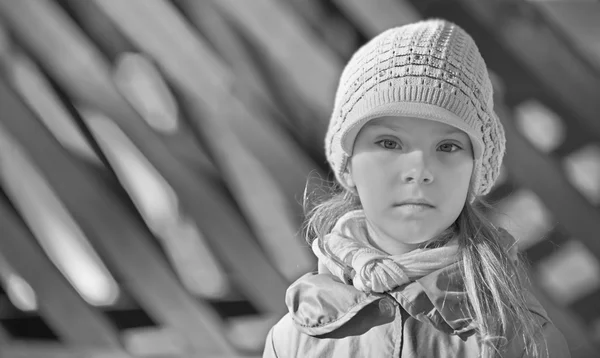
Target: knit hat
[431,69]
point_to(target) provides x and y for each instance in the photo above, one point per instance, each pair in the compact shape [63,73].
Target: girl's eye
[449,147]
[389,144]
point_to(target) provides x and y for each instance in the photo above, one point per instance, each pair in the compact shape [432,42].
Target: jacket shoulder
[550,342]
[280,332]
[373,331]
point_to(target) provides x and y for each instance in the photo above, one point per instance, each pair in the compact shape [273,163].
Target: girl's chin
[412,237]
[412,233]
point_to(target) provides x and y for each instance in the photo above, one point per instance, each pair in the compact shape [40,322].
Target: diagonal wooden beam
[163,34]
[258,194]
[543,174]
[54,228]
[200,194]
[5,338]
[212,26]
[80,59]
[562,72]
[30,83]
[257,83]
[580,21]
[27,349]
[376,16]
[116,234]
[117,47]
[181,239]
[73,320]
[49,27]
[30,349]
[312,68]
[546,247]
[104,34]
[248,332]
[151,341]
[333,29]
[580,341]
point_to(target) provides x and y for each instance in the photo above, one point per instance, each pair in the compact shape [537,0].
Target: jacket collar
[321,303]
[438,299]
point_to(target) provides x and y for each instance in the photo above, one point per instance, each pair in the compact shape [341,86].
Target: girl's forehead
[409,124]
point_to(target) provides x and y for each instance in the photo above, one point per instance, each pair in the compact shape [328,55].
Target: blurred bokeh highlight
[154,156]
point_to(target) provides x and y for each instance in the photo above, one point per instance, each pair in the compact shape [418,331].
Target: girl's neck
[386,243]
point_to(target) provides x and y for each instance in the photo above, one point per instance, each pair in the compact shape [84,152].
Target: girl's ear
[348,176]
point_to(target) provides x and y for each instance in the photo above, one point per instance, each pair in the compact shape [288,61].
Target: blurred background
[154,156]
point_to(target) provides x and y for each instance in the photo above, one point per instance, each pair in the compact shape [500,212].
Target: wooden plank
[561,71]
[153,341]
[184,243]
[258,195]
[54,228]
[104,34]
[212,26]
[31,84]
[200,195]
[577,335]
[68,315]
[376,16]
[248,333]
[55,350]
[80,59]
[569,207]
[107,37]
[338,33]
[312,67]
[500,192]
[271,145]
[5,337]
[580,21]
[551,242]
[29,349]
[144,89]
[188,62]
[116,235]
[19,295]
[142,85]
[331,30]
[257,84]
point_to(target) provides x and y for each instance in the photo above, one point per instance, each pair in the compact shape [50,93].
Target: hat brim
[413,110]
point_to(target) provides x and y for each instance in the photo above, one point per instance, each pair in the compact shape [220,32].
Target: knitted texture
[431,69]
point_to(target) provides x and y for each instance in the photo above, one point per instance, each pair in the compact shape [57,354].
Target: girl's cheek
[462,159]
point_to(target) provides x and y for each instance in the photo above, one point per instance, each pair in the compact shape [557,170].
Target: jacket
[328,318]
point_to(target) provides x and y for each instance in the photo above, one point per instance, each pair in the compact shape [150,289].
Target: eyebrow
[453,130]
[398,126]
[393,126]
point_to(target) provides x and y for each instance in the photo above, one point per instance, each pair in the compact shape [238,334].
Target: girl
[408,266]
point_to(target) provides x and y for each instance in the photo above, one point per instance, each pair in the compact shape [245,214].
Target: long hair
[494,282]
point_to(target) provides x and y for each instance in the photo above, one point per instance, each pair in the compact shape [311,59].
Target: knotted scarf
[374,270]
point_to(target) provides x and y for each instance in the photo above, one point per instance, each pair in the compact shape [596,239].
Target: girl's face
[412,176]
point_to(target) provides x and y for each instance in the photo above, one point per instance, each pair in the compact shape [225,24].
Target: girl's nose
[417,171]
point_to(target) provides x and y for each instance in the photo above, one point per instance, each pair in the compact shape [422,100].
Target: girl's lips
[414,208]
[417,201]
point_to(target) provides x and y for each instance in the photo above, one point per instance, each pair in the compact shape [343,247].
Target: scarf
[372,270]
